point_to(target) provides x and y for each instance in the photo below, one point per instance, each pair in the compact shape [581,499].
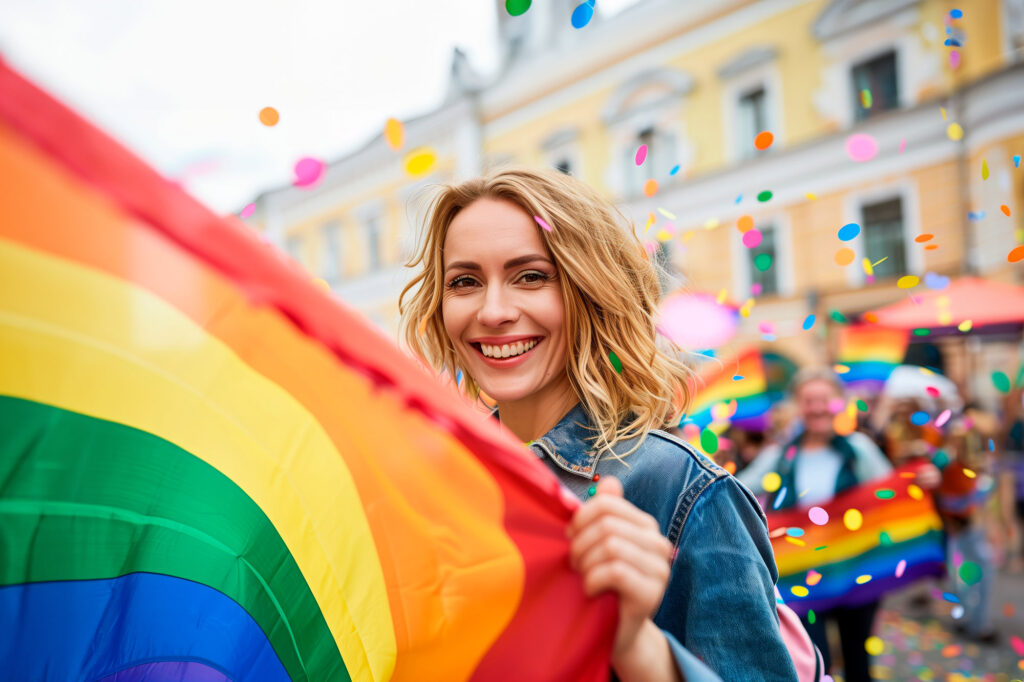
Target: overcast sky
[181,82]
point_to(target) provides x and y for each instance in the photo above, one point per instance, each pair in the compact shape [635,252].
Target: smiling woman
[528,282]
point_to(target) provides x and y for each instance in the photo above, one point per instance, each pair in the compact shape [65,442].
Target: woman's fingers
[607,502]
[638,592]
[620,534]
[650,558]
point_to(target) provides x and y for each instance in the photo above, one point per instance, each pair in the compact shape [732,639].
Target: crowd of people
[970,458]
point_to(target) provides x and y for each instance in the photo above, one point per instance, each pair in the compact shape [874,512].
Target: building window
[330,266]
[884,238]
[753,118]
[563,165]
[876,76]
[661,153]
[372,226]
[764,272]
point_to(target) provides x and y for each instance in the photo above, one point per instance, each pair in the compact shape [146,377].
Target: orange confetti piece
[924,237]
[844,256]
[269,116]
[951,650]
[931,247]
[1005,209]
[394,133]
[730,467]
[745,223]
[1016,254]
[763,140]
[871,317]
[844,423]
[650,188]
[813,578]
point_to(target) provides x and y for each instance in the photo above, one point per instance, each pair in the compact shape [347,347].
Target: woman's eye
[533,277]
[460,282]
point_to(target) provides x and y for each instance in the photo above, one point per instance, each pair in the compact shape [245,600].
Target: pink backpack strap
[806,657]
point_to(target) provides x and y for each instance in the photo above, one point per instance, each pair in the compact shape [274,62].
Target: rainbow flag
[899,539]
[209,469]
[871,353]
[741,379]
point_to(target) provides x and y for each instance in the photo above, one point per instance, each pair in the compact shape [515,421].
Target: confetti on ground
[766,195]
[907,282]
[394,131]
[308,172]
[650,188]
[543,223]
[269,116]
[752,239]
[853,519]
[709,441]
[420,161]
[1001,381]
[517,7]
[763,140]
[616,363]
[641,155]
[849,231]
[745,223]
[955,132]
[1005,209]
[874,646]
[844,256]
[247,211]
[861,147]
[771,482]
[583,13]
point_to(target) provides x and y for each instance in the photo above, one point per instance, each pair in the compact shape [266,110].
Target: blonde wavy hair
[609,290]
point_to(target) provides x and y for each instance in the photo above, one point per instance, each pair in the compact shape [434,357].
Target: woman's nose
[497,308]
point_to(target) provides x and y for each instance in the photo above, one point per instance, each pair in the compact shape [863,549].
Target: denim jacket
[718,612]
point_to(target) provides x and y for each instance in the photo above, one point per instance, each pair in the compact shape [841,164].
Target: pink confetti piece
[308,171]
[903,145]
[954,59]
[641,154]
[1018,644]
[900,567]
[861,147]
[943,418]
[752,238]
[818,516]
[247,211]
[540,221]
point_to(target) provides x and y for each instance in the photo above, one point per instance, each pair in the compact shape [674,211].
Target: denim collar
[566,443]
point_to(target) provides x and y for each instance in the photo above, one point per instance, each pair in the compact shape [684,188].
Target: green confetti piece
[517,7]
[838,317]
[862,406]
[616,363]
[818,549]
[592,490]
[884,539]
[763,261]
[1001,381]
[885,494]
[940,459]
[922,332]
[764,196]
[811,618]
[709,441]
[970,572]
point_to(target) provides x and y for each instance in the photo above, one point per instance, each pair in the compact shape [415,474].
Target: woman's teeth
[508,350]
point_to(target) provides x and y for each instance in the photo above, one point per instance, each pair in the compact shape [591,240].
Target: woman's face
[814,399]
[502,302]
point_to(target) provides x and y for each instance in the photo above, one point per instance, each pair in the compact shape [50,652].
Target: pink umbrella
[981,301]
[696,321]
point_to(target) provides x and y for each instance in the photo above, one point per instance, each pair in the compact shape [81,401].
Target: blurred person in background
[825,463]
[1010,482]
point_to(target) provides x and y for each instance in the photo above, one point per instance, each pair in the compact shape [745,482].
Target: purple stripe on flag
[168,671]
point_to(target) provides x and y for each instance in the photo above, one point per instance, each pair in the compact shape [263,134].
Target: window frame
[907,191]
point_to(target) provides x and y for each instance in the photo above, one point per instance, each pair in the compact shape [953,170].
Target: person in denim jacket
[528,285]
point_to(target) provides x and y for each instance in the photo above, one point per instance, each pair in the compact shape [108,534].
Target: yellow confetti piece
[771,482]
[861,579]
[394,133]
[799,591]
[720,299]
[687,236]
[879,261]
[322,282]
[969,473]
[810,196]
[943,110]
[796,541]
[965,326]
[907,282]
[748,305]
[269,116]
[868,270]
[663,235]
[984,169]
[666,214]
[840,369]
[874,645]
[650,221]
[915,492]
[711,223]
[420,161]
[955,132]
[945,318]
[853,519]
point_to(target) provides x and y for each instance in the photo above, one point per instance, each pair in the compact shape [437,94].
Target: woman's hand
[615,546]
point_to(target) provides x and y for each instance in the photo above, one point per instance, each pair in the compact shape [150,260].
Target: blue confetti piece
[675,169]
[1016,160]
[952,42]
[583,13]
[737,377]
[991,445]
[955,13]
[768,337]
[809,322]
[919,418]
[795,532]
[779,499]
[739,198]
[950,597]
[458,377]
[848,231]
[975,216]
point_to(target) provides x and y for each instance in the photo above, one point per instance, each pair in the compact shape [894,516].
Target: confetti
[737,377]
[394,131]
[955,13]
[838,317]
[853,519]
[907,282]
[650,188]
[861,147]
[778,503]
[1001,381]
[844,256]
[861,406]
[650,221]
[885,494]
[1018,644]
[517,7]
[269,116]
[975,216]
[865,98]
[766,195]
[771,482]
[641,155]
[1016,160]
[810,196]
[848,231]
[795,532]
[543,223]
[1005,209]
[940,459]
[1016,254]
[670,216]
[420,161]
[799,591]
[970,572]
[763,261]
[709,441]
[763,140]
[840,369]
[247,211]
[866,265]
[874,645]
[745,223]
[811,617]
[308,171]
[675,169]
[752,239]
[808,322]
[583,13]
[954,59]
[943,418]
[900,567]
[921,238]
[951,598]
[955,132]
[984,169]
[813,578]
[903,145]
[861,579]
[616,363]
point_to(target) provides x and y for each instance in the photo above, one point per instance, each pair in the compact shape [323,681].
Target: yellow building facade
[695,82]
